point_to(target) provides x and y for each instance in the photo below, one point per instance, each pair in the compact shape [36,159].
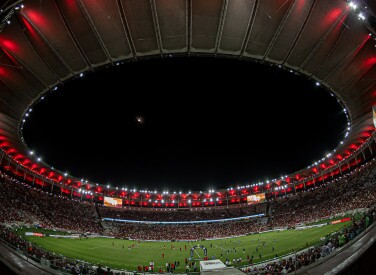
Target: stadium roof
[44,42]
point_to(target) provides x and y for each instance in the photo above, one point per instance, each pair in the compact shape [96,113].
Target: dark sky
[208,123]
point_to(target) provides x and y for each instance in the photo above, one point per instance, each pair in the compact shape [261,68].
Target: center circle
[185,123]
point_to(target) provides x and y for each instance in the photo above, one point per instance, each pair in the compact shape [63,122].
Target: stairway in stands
[98,214]
[268,211]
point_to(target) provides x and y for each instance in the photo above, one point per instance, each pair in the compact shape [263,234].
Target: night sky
[207,123]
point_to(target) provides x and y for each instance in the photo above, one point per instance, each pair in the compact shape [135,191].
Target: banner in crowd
[34,234]
[113,202]
[341,220]
[256,198]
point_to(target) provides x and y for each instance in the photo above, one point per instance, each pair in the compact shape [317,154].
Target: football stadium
[318,218]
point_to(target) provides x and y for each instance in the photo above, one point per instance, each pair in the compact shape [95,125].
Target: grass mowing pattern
[102,250]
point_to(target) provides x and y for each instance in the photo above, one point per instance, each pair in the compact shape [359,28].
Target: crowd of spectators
[21,204]
[16,206]
[181,214]
[357,190]
[66,213]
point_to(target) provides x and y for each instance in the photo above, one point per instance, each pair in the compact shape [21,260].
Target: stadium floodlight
[348,128]
[8,22]
[27,115]
[108,186]
[65,174]
[81,74]
[30,110]
[22,6]
[361,16]
[31,152]
[317,83]
[353,5]
[189,201]
[39,159]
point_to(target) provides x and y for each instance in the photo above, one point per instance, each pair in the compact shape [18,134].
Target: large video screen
[374,115]
[113,202]
[256,198]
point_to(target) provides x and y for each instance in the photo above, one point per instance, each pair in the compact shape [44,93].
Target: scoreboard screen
[256,198]
[113,202]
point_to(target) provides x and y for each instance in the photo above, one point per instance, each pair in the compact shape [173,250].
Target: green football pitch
[116,253]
